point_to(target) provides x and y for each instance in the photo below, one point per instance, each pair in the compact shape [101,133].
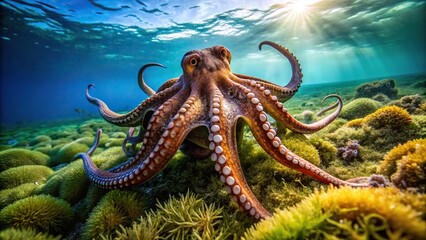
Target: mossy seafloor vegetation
[45,194]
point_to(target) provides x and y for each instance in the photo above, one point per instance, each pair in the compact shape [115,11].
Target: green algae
[19,156]
[10,195]
[346,213]
[115,208]
[71,183]
[16,176]
[371,89]
[359,108]
[67,152]
[42,213]
[184,217]
[276,186]
[406,165]
[25,234]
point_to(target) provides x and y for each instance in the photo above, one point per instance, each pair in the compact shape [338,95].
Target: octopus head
[208,61]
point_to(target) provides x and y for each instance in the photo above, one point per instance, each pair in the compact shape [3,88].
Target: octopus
[203,113]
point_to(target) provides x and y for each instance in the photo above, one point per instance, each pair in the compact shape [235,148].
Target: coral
[19,156]
[406,165]
[116,207]
[371,89]
[347,213]
[185,217]
[349,152]
[25,234]
[43,213]
[8,196]
[67,152]
[16,176]
[359,108]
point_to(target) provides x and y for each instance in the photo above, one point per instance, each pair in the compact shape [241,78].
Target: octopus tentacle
[155,129]
[296,78]
[130,151]
[223,144]
[168,84]
[286,92]
[134,117]
[277,110]
[274,88]
[267,138]
[320,113]
[145,88]
[183,121]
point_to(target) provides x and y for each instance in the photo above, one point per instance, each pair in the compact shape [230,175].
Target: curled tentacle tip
[330,96]
[262,43]
[90,86]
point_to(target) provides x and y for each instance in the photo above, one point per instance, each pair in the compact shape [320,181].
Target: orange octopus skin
[209,95]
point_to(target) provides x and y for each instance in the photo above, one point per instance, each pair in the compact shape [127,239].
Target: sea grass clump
[184,217]
[71,183]
[405,165]
[67,152]
[26,234]
[42,213]
[18,156]
[16,176]
[10,195]
[116,208]
[347,213]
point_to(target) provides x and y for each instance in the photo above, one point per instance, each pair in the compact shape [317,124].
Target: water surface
[51,50]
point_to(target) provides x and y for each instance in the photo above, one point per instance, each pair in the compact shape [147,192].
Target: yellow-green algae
[406,165]
[348,213]
[67,152]
[184,217]
[42,213]
[25,234]
[379,131]
[359,108]
[10,195]
[16,176]
[71,183]
[116,208]
[19,156]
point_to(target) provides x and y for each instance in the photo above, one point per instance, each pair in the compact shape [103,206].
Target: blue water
[51,50]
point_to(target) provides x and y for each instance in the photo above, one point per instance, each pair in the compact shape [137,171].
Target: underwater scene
[276,119]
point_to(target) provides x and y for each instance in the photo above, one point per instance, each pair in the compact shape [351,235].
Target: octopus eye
[223,52]
[193,61]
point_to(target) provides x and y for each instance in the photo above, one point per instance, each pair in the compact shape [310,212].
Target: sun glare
[300,7]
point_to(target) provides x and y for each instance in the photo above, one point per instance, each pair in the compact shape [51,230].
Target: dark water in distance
[51,50]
